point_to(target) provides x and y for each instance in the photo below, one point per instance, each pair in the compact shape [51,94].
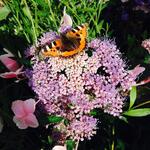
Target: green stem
[100,3]
[16,17]
[36,17]
[147,102]
[113,134]
[20,26]
[31,19]
[73,10]
[51,12]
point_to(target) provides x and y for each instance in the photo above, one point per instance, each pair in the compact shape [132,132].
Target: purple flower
[142,2]
[72,87]
[84,127]
[143,5]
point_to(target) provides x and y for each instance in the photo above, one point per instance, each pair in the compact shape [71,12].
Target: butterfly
[68,44]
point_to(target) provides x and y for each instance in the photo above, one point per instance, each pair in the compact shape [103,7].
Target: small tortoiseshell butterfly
[68,44]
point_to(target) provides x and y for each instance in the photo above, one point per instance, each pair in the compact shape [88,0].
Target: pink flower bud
[9,63]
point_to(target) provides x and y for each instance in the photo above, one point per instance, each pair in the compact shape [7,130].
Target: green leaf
[54,119]
[93,113]
[123,119]
[100,25]
[70,144]
[66,122]
[138,112]
[133,95]
[147,59]
[4,12]
[27,12]
[120,144]
[49,140]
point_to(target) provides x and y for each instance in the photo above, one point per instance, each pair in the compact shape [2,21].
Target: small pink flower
[59,147]
[24,116]
[11,65]
[137,70]
[66,22]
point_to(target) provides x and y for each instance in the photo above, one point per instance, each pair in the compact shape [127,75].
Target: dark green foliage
[70,144]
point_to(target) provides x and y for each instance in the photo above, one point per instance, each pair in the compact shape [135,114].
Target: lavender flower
[142,2]
[72,87]
[84,127]
[143,5]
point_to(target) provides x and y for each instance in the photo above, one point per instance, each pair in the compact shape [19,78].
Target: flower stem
[77,144]
[32,22]
[113,134]
[147,102]
[51,12]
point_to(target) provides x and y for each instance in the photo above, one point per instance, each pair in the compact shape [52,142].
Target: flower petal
[10,63]
[59,147]
[66,19]
[18,108]
[20,122]
[31,121]
[9,54]
[29,105]
[8,75]
[137,70]
[66,22]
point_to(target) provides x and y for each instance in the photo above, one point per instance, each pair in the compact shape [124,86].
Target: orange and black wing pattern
[69,44]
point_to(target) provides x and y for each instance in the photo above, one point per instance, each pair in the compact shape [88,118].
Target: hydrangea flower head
[72,87]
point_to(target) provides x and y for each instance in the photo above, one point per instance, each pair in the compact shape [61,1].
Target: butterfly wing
[52,49]
[76,40]
[70,43]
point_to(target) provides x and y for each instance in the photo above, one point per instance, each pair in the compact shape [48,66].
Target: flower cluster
[72,87]
[142,5]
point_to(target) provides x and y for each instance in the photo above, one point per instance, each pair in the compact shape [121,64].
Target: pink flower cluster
[72,87]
